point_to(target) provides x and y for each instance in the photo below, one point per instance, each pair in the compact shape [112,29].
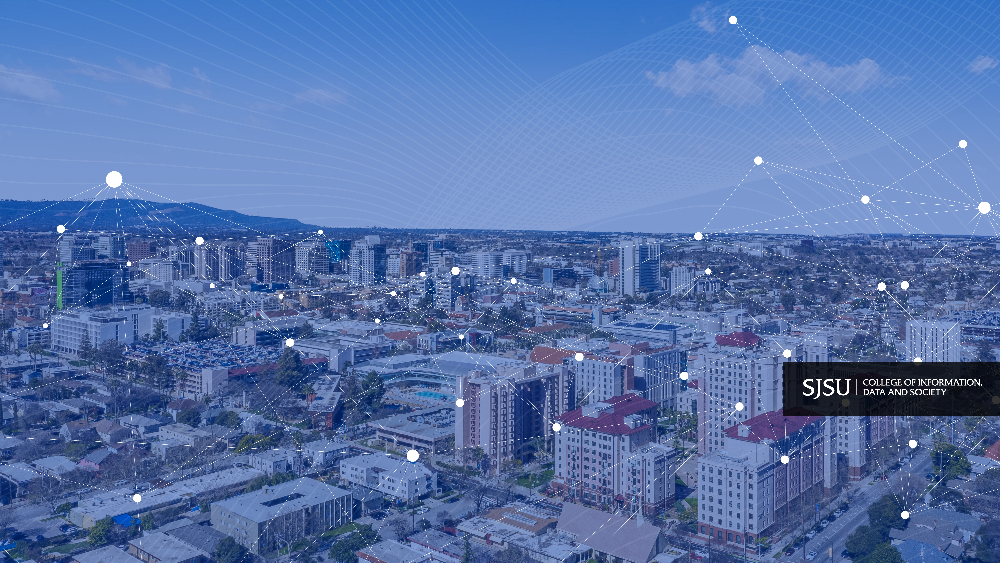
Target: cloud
[321,96]
[982,63]
[702,15]
[745,79]
[25,84]
[155,76]
[205,90]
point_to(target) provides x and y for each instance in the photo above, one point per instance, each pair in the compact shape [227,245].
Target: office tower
[126,324]
[73,248]
[339,254]
[486,265]
[111,247]
[159,269]
[275,260]
[606,454]
[657,375]
[516,261]
[640,266]
[934,341]
[506,404]
[449,290]
[232,260]
[1,258]
[410,263]
[95,283]
[140,250]
[598,378]
[311,258]
[393,264]
[368,261]
[421,248]
[681,280]
[206,262]
[184,256]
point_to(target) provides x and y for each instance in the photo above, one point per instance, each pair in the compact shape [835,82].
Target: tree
[35,351]
[291,371]
[883,553]
[374,390]
[987,542]
[229,419]
[345,550]
[64,508]
[400,526]
[191,417]
[467,551]
[950,462]
[984,351]
[102,533]
[304,331]
[863,541]
[159,330]
[86,345]
[788,302]
[228,551]
[159,298]
[147,522]
[259,441]
[885,514]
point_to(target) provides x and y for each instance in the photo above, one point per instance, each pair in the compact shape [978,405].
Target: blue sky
[638,116]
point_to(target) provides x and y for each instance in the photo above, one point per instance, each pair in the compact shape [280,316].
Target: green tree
[86,345]
[147,521]
[159,298]
[159,330]
[64,508]
[35,351]
[191,417]
[863,541]
[949,461]
[259,441]
[228,551]
[304,331]
[345,550]
[102,533]
[291,371]
[987,542]
[788,302]
[885,514]
[467,551]
[229,419]
[374,390]
[984,351]
[883,553]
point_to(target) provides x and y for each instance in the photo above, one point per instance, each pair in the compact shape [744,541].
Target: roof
[392,551]
[282,313]
[204,538]
[273,366]
[611,534]
[258,507]
[167,549]
[993,452]
[610,422]
[109,554]
[546,355]
[548,328]
[58,464]
[98,456]
[935,516]
[743,339]
[521,517]
[182,404]
[402,335]
[439,541]
[773,425]
[19,472]
[914,551]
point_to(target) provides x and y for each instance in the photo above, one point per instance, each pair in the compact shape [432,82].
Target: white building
[598,378]
[311,258]
[934,341]
[125,324]
[658,375]
[681,279]
[395,477]
[368,261]
[486,265]
[516,261]
[638,267]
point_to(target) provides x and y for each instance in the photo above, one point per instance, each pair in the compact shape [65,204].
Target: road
[869,491]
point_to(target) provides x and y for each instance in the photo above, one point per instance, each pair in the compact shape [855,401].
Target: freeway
[866,494]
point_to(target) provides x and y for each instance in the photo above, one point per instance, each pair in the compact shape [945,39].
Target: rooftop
[611,420]
[611,534]
[166,548]
[772,425]
[109,554]
[393,552]
[260,506]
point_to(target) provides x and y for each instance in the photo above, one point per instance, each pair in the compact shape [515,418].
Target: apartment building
[388,475]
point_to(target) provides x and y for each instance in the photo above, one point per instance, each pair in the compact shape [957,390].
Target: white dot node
[455,271]
[784,459]
[377,321]
[459,403]
[114,179]
[904,285]
[199,241]
[423,274]
[412,456]
[758,161]
[61,229]
[905,515]
[881,286]
[917,360]
[684,375]
[698,236]
[556,427]
[290,342]
[513,281]
[461,337]
[984,207]
[732,20]
[45,325]
[708,271]
[739,406]
[579,356]
[913,443]
[962,144]
[137,497]
[211,285]
[787,353]
[319,232]
[281,296]
[129,263]
[392,293]
[865,199]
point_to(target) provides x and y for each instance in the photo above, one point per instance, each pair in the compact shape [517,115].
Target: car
[121,483]
[811,534]
[832,517]
[811,556]
[845,554]
[838,513]
[930,476]
[825,523]
[39,537]
[790,551]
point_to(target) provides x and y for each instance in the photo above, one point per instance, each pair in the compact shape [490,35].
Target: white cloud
[745,79]
[155,76]
[25,84]
[982,63]
[321,96]
[702,15]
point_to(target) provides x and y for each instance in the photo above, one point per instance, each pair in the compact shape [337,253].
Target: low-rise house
[612,537]
[390,551]
[109,554]
[96,459]
[8,444]
[78,430]
[204,538]
[278,460]
[159,547]
[323,452]
[54,465]
[174,407]
[389,475]
[142,426]
[111,432]
[443,547]
[14,480]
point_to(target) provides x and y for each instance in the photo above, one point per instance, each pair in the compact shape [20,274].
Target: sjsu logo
[816,388]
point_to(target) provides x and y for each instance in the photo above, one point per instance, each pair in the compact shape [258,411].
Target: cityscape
[528,283]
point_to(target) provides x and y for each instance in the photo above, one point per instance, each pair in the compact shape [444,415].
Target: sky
[612,116]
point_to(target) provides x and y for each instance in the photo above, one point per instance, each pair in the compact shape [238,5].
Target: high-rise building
[681,280]
[159,269]
[311,258]
[275,260]
[934,341]
[111,247]
[232,260]
[206,262]
[95,283]
[410,263]
[140,250]
[368,261]
[74,249]
[598,378]
[339,253]
[606,454]
[657,375]
[516,261]
[486,265]
[639,262]
[506,403]
[125,324]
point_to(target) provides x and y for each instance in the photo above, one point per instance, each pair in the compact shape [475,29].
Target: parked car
[811,534]
[811,556]
[825,523]
[121,483]
[790,551]
[39,537]
[845,554]
[832,517]
[838,513]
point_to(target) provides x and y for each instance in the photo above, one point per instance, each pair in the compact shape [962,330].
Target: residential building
[108,554]
[311,258]
[428,430]
[486,265]
[506,403]
[516,261]
[612,537]
[279,460]
[140,250]
[391,551]
[934,341]
[368,262]
[321,453]
[14,480]
[639,262]
[158,547]
[656,375]
[125,324]
[606,454]
[282,513]
[598,378]
[682,280]
[397,478]
[275,260]
[89,284]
